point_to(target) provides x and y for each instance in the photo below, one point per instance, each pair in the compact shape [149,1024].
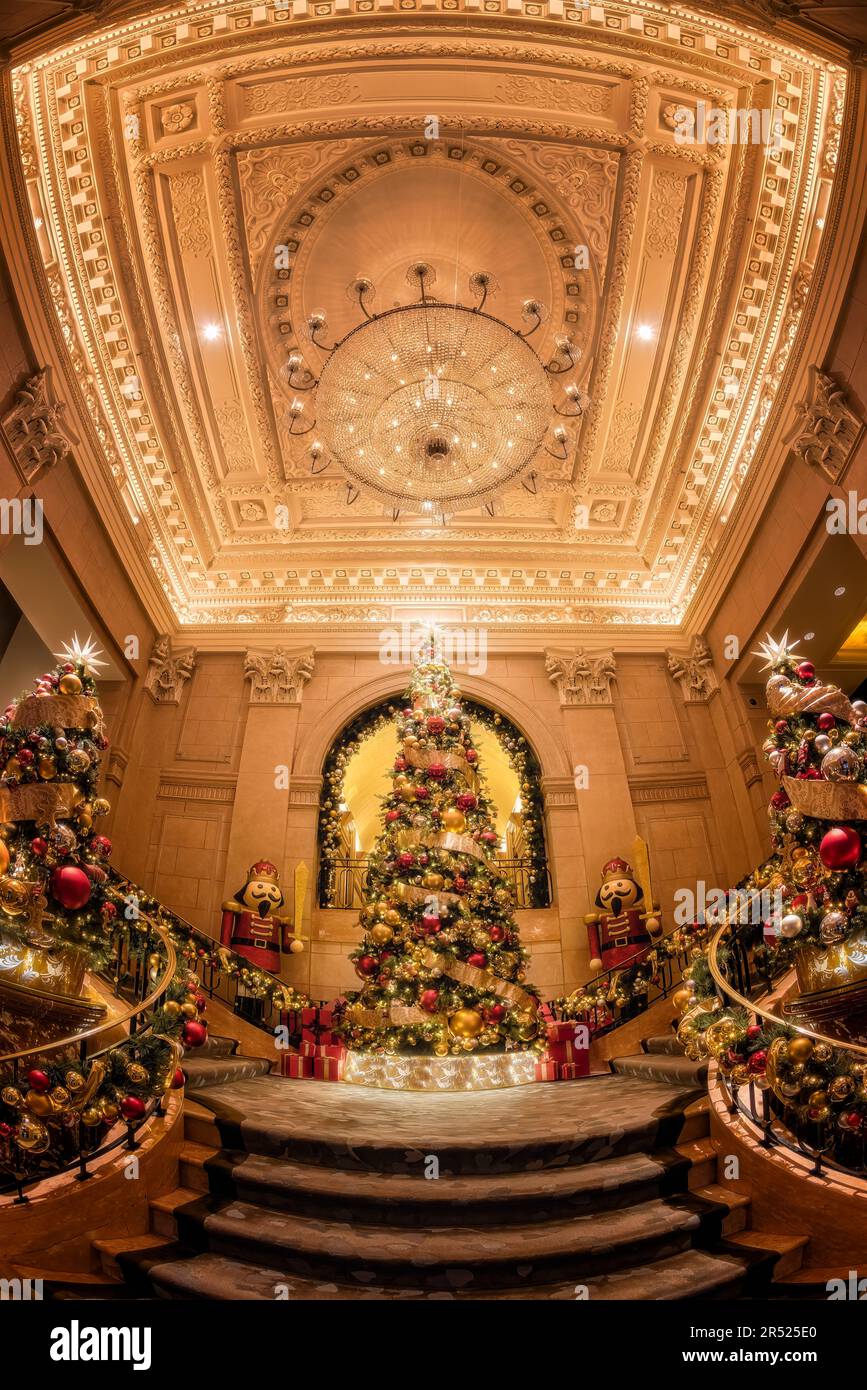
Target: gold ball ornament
[59,1097]
[172,1008]
[32,1135]
[433,880]
[69,684]
[799,1050]
[381,933]
[682,1000]
[47,768]
[138,1075]
[38,1103]
[466,1023]
[10,1095]
[454,820]
[14,896]
[101,807]
[73,1081]
[109,1109]
[91,1116]
[189,1010]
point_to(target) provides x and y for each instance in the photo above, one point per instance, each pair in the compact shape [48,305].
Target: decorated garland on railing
[618,988]
[521,759]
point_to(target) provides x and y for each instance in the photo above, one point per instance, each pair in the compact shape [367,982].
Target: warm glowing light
[486,1072]
[211,332]
[645,333]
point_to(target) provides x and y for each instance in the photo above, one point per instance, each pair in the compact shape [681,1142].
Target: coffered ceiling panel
[202,183]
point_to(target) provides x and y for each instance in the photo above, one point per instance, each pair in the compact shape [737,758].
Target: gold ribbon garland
[38,801]
[456,844]
[420,757]
[57,712]
[479,979]
[826,800]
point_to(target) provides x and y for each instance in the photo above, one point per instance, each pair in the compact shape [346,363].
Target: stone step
[524,1127]
[109,1250]
[217,1046]
[701,1154]
[441,1257]
[163,1210]
[202,1072]
[200,1125]
[788,1249]
[736,1203]
[687,1274]
[674,1070]
[413,1199]
[696,1120]
[663,1044]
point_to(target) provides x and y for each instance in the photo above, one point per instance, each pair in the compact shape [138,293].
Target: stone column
[603,816]
[261,810]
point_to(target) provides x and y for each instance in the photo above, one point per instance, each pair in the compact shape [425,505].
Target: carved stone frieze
[35,427]
[829,427]
[278,677]
[693,671]
[582,678]
[168,672]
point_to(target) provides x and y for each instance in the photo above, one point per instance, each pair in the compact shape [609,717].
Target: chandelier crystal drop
[431,407]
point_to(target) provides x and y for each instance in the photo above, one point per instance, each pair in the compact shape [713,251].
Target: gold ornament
[799,1050]
[101,807]
[433,880]
[59,1097]
[73,1080]
[189,1010]
[381,933]
[454,820]
[466,1023]
[47,768]
[32,1135]
[682,1000]
[69,684]
[10,1095]
[137,1074]
[172,1008]
[91,1116]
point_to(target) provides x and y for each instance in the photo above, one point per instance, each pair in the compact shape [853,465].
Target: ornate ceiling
[203,178]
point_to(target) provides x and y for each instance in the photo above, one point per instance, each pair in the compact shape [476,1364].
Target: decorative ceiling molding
[169,156]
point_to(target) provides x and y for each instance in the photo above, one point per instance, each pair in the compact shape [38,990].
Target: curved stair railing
[65,1125]
[616,996]
[805,1091]
[256,995]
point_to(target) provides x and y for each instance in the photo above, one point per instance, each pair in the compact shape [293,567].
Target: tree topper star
[87,653]
[775,651]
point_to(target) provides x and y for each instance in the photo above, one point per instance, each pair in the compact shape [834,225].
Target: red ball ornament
[38,846]
[392,816]
[757,1062]
[435,724]
[466,801]
[852,1119]
[826,721]
[421,792]
[840,848]
[497,933]
[405,859]
[201,1002]
[779,801]
[460,884]
[437,771]
[38,1080]
[400,764]
[108,910]
[496,1013]
[471,755]
[754,1031]
[428,1000]
[25,756]
[179,1079]
[194,1033]
[132,1108]
[781,726]
[478,959]
[490,837]
[806,670]
[100,845]
[70,886]
[366,965]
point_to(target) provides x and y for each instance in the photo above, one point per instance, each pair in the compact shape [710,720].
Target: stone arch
[550,750]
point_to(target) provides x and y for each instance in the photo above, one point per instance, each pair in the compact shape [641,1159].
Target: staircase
[310,1190]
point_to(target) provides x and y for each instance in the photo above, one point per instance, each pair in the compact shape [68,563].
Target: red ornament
[38,846]
[132,1108]
[478,959]
[430,922]
[201,1002]
[108,910]
[100,845]
[806,670]
[754,1031]
[70,886]
[460,884]
[367,965]
[38,1080]
[496,1013]
[471,755]
[781,726]
[179,1079]
[437,771]
[421,792]
[428,1000]
[435,724]
[490,837]
[497,933]
[852,1119]
[840,848]
[194,1033]
[826,721]
[25,756]
[400,764]
[405,859]
[392,816]
[757,1062]
[467,801]
[779,801]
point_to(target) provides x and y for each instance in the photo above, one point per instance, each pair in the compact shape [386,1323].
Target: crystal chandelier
[433,407]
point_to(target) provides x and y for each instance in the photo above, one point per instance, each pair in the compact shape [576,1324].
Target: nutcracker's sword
[302,874]
[641,860]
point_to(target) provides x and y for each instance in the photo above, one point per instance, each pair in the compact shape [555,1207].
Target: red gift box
[328,1068]
[565,1052]
[336,1050]
[295,1066]
[308,1048]
[571,1071]
[561,1032]
[547,1071]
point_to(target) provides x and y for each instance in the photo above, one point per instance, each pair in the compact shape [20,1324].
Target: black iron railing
[343,881]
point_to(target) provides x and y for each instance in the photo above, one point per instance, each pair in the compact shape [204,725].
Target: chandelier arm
[532,489]
[528,333]
[361,292]
[561,458]
[570,414]
[314,338]
[315,471]
[299,433]
[352,494]
[554,370]
[312,382]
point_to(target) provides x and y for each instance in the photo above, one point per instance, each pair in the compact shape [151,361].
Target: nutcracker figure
[622,933]
[253,926]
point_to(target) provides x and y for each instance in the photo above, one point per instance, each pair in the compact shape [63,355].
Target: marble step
[663,1044]
[217,1046]
[412,1199]
[690,1274]
[659,1066]
[202,1072]
[486,1132]
[442,1257]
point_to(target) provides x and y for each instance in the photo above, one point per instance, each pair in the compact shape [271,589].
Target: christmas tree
[52,861]
[441,961]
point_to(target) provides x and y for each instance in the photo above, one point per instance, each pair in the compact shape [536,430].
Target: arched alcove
[361,753]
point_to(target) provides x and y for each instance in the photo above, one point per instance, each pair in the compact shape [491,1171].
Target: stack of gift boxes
[320,1053]
[567,1056]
